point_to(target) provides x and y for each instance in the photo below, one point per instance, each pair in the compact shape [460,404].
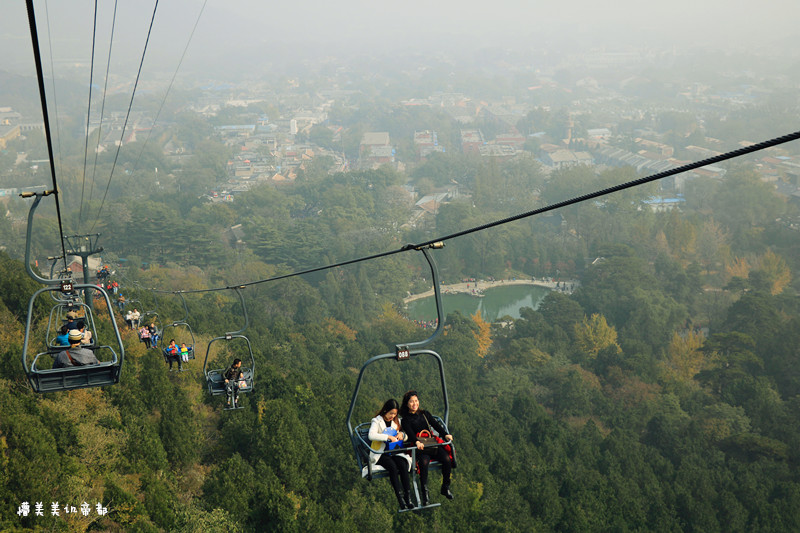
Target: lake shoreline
[478,287]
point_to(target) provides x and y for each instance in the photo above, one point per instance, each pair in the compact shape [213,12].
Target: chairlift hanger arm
[437,296]
[244,310]
[185,308]
[28,236]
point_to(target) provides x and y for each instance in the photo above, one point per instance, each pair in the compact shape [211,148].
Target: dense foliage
[660,396]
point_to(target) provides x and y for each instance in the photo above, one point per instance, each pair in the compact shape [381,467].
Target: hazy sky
[230,30]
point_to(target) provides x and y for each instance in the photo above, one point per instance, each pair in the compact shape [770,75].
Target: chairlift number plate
[403,353]
[66,286]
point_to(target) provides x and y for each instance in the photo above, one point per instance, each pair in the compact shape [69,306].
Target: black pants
[424,458]
[232,390]
[175,359]
[397,468]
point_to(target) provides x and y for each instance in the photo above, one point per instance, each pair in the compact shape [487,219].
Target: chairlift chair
[180,329]
[45,379]
[215,379]
[64,291]
[58,317]
[151,317]
[403,353]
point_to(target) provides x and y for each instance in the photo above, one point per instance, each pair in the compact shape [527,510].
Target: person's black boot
[446,491]
[401,499]
[424,494]
[407,498]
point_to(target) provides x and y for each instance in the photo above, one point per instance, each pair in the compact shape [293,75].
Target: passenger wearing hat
[75,355]
[72,318]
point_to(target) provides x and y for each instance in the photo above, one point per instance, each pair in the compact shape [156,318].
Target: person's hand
[400,435]
[391,438]
[420,446]
[448,437]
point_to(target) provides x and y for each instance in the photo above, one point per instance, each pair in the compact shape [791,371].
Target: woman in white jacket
[385,431]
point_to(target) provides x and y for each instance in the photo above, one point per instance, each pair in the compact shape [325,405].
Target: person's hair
[64,329]
[171,341]
[236,361]
[390,404]
[80,325]
[404,406]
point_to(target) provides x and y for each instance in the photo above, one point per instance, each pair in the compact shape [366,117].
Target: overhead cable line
[88,113]
[172,81]
[37,56]
[578,199]
[127,116]
[53,79]
[103,104]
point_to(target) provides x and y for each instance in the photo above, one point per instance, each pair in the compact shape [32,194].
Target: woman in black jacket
[414,420]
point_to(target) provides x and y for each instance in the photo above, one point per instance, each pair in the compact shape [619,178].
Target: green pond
[497,302]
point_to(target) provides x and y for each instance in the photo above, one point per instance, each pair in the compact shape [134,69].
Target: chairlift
[59,316]
[131,305]
[38,370]
[44,378]
[180,329]
[151,317]
[215,379]
[403,352]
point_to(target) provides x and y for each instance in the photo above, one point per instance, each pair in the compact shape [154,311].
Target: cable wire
[127,116]
[88,114]
[172,81]
[37,56]
[103,105]
[53,75]
[627,185]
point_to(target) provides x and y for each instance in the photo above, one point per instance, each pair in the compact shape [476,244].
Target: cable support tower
[84,246]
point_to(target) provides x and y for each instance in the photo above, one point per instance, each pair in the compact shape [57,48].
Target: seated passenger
[153,335]
[184,353]
[384,432]
[62,339]
[414,420]
[233,380]
[135,316]
[144,336]
[72,320]
[75,355]
[173,355]
[87,335]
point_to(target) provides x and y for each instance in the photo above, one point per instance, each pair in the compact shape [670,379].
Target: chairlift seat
[216,381]
[361,443]
[74,377]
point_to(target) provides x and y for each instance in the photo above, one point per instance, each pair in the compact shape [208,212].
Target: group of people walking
[397,427]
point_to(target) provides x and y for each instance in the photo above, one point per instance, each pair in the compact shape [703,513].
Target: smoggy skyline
[242,34]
